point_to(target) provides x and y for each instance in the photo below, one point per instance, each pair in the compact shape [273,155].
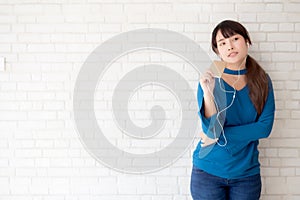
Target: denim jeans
[208,187]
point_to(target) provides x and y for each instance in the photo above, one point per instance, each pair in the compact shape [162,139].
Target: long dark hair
[257,79]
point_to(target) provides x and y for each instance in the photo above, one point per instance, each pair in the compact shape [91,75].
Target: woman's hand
[205,140]
[207,82]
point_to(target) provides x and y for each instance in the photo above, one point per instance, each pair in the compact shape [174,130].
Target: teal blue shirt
[242,129]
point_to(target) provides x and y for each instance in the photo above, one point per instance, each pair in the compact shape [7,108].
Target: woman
[231,169]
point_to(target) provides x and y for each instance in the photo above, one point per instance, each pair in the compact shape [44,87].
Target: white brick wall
[46,42]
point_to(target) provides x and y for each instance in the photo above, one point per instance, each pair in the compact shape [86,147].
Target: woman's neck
[236,66]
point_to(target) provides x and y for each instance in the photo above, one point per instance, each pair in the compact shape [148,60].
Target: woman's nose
[230,47]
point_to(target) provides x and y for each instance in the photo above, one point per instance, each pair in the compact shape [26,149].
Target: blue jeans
[208,187]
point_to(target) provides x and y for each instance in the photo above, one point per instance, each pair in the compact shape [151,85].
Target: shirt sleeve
[207,123]
[240,136]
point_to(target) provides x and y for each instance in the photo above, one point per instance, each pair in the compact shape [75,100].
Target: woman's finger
[210,73]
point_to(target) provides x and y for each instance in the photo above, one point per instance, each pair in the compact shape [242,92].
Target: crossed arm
[240,136]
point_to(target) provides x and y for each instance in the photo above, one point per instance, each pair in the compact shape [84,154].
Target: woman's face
[232,50]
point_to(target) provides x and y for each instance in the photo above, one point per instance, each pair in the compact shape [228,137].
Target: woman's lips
[232,54]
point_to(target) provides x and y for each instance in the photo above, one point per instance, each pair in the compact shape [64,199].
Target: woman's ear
[248,43]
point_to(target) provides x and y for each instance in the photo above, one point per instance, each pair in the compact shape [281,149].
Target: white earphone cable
[223,110]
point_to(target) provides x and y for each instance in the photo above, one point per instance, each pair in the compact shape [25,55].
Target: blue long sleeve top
[237,154]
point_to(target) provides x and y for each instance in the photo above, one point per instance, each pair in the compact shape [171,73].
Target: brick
[251,27]
[26,19]
[116,8]
[290,104]
[285,46]
[283,114]
[4,163]
[8,105]
[286,27]
[287,171]
[39,189]
[266,46]
[270,172]
[13,115]
[277,76]
[271,152]
[191,7]
[291,162]
[41,115]
[23,9]
[292,7]
[274,7]
[285,142]
[67,38]
[250,7]
[39,28]
[256,36]
[283,57]
[294,185]
[288,153]
[50,19]
[291,85]
[297,171]
[198,28]
[295,114]
[8,38]
[30,86]
[19,189]
[223,8]
[40,48]
[271,197]
[23,162]
[278,185]
[166,189]
[28,153]
[275,162]
[4,28]
[8,19]
[218,17]
[70,28]
[69,9]
[295,95]
[19,28]
[247,17]
[138,8]
[272,17]
[280,37]
[294,17]
[25,172]
[297,27]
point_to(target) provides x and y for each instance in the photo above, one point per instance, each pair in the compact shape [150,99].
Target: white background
[46,42]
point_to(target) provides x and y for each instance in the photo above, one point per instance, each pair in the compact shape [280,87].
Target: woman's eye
[236,38]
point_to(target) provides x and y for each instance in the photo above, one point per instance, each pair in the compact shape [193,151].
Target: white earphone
[224,109]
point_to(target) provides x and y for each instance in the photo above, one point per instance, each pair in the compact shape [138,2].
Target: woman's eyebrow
[235,35]
[220,40]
